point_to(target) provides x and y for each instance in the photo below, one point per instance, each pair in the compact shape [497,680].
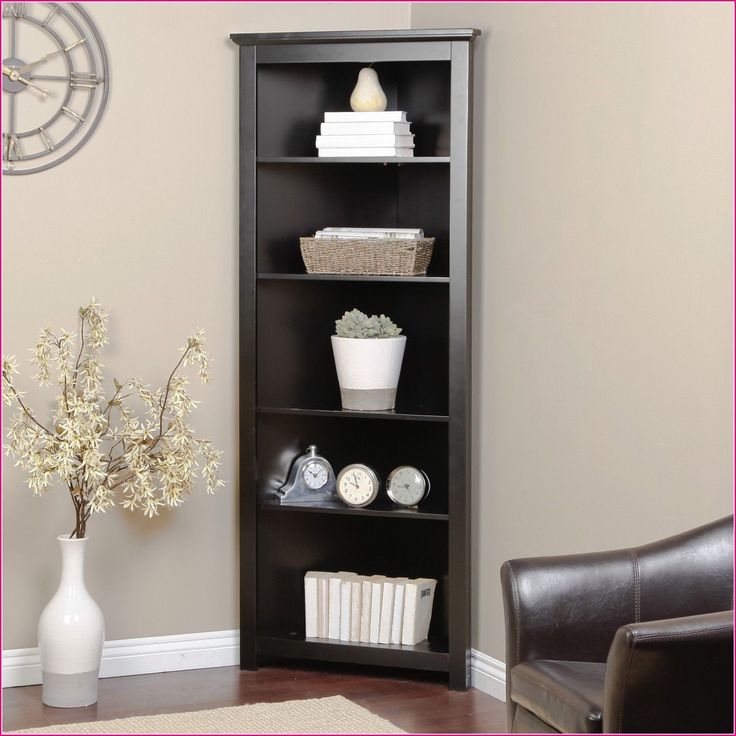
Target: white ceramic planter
[368,371]
[71,631]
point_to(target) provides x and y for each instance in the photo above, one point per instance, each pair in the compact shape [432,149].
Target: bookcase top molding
[317,37]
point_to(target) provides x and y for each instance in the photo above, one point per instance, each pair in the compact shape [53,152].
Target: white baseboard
[198,651]
[488,674]
[138,656]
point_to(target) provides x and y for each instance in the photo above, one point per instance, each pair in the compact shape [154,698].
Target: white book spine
[345,605]
[333,626]
[376,604]
[323,605]
[387,612]
[311,616]
[418,600]
[409,230]
[398,617]
[364,141]
[366,588]
[366,152]
[361,235]
[376,128]
[397,116]
[356,595]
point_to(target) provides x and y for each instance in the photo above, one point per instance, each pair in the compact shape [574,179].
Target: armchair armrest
[567,607]
[673,675]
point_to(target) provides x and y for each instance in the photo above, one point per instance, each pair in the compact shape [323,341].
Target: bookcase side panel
[247,356]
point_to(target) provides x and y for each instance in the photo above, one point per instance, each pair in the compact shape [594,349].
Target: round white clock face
[357,485]
[407,486]
[315,475]
[55,83]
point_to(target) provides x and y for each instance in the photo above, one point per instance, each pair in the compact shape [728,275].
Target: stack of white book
[369,233]
[365,134]
[367,609]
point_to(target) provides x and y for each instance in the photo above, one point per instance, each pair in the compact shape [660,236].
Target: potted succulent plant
[368,355]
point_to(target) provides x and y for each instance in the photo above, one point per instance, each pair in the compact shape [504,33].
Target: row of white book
[369,233]
[358,134]
[370,609]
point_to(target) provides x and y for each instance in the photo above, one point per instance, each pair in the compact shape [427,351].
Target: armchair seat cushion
[566,695]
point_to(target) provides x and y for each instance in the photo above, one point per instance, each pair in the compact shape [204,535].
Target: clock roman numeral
[11,148]
[72,114]
[45,138]
[85,80]
[75,44]
[16,10]
[49,17]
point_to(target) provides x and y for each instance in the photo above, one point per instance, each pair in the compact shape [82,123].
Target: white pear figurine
[368,95]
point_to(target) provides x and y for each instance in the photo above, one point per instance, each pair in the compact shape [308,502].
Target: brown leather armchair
[632,640]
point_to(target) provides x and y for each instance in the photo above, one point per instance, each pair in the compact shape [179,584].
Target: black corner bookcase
[289,395]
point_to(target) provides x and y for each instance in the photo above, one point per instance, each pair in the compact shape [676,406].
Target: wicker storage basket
[374,257]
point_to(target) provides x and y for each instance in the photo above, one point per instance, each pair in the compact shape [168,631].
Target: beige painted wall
[602,276]
[145,219]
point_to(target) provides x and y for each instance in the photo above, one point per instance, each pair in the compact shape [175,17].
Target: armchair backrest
[569,607]
[685,575]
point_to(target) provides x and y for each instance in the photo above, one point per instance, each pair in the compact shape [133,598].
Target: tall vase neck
[72,561]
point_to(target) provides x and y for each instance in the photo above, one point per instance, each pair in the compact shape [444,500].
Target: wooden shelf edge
[338,507]
[352,159]
[344,413]
[424,656]
[350,277]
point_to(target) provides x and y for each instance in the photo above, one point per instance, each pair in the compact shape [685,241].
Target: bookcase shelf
[345,413]
[289,394]
[418,280]
[377,508]
[427,655]
[353,160]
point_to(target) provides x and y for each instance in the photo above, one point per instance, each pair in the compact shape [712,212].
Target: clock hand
[42,92]
[31,64]
[14,76]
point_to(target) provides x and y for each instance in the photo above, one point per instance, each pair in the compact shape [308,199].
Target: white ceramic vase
[368,371]
[71,631]
[368,96]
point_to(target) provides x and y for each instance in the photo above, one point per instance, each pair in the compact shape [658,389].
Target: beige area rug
[318,715]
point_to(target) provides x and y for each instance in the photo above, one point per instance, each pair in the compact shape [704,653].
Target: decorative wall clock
[56,80]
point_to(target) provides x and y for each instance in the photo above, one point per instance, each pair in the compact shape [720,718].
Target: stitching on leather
[637,587]
[681,634]
[517,611]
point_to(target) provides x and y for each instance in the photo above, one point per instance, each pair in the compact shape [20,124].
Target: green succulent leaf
[359,325]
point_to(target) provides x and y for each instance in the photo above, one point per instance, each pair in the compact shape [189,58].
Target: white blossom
[100,449]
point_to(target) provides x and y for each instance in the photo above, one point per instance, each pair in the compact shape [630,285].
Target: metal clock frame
[81,118]
[389,492]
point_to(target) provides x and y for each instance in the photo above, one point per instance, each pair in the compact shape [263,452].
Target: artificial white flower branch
[103,463]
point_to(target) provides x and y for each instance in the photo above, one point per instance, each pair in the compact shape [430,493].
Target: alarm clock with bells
[311,480]
[357,485]
[406,486]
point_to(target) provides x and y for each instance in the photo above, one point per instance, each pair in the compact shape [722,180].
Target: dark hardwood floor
[415,702]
